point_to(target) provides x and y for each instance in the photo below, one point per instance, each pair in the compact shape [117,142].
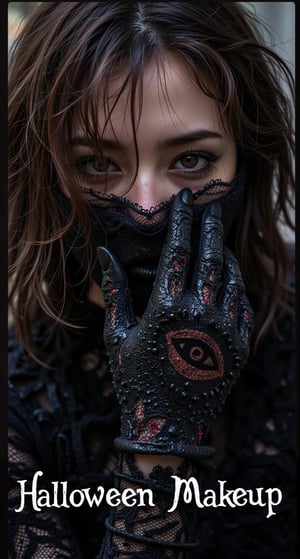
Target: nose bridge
[146,190]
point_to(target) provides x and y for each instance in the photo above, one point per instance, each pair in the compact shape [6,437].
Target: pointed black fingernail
[216,209]
[104,258]
[187,197]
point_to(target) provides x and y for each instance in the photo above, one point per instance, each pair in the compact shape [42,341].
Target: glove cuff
[200,453]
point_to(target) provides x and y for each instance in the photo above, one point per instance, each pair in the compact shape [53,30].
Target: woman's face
[180,138]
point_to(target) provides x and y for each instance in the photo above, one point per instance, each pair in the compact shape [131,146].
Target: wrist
[146,462]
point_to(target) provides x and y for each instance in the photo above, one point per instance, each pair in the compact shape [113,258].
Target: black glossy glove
[173,370]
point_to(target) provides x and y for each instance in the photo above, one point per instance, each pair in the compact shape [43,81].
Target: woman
[150,161]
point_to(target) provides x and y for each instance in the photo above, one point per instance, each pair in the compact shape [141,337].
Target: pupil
[196,353]
[98,165]
[189,161]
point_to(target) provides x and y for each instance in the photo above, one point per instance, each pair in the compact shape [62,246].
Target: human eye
[94,169]
[194,163]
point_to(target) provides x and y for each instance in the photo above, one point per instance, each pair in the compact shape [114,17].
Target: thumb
[118,307]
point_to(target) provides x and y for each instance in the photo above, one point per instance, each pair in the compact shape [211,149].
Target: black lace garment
[63,419]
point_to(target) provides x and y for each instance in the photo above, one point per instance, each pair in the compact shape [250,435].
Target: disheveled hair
[65,56]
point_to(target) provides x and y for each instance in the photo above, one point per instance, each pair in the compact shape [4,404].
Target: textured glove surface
[173,369]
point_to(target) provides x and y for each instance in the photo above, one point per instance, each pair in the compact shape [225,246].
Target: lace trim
[111,200]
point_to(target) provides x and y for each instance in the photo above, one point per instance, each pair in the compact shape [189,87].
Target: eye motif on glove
[195,355]
[173,369]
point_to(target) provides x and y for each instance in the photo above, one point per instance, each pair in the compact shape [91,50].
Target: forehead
[165,95]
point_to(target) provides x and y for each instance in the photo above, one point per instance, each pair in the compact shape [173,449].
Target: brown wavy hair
[64,52]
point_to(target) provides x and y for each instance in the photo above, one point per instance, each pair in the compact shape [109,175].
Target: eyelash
[210,159]
[83,161]
[199,173]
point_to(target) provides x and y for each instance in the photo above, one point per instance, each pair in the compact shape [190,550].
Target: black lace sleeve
[46,534]
[156,529]
[63,419]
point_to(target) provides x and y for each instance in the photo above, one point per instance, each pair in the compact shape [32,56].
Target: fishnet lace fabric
[148,531]
[64,418]
[140,216]
[63,421]
[41,535]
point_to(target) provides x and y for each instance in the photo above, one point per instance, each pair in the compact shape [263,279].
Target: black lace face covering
[136,235]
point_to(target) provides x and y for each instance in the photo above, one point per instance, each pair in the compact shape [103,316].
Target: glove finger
[207,275]
[173,266]
[118,306]
[233,290]
[246,324]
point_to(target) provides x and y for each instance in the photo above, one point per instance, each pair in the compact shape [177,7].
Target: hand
[173,370]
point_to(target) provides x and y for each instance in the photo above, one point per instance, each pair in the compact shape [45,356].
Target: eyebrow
[194,136]
[190,137]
